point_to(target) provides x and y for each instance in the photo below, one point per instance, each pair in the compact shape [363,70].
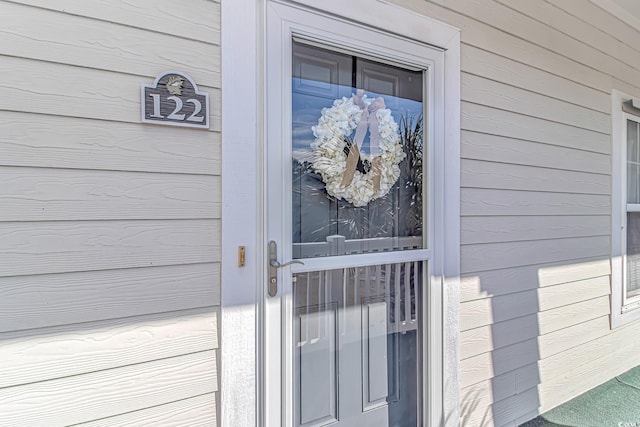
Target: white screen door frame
[257,394]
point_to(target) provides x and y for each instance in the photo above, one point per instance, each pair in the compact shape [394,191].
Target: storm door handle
[274,265]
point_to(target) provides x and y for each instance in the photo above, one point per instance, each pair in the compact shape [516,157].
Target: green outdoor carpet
[615,403]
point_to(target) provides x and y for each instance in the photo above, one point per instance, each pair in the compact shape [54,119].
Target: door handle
[274,265]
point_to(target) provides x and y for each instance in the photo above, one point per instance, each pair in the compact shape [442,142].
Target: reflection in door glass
[385,210]
[357,337]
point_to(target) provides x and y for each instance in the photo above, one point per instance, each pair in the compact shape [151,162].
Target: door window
[345,202]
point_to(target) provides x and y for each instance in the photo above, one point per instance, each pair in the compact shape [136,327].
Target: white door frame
[243,222]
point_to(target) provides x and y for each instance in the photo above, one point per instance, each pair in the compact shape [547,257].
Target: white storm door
[347,272]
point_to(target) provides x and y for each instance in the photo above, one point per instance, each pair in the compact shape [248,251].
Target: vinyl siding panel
[484,284]
[67,246]
[493,229]
[30,194]
[495,94]
[184,22]
[102,394]
[53,141]
[488,147]
[109,229]
[485,63]
[195,412]
[536,201]
[491,256]
[501,334]
[30,302]
[477,174]
[484,119]
[104,45]
[599,23]
[512,22]
[47,87]
[486,36]
[481,201]
[584,373]
[104,345]
[502,308]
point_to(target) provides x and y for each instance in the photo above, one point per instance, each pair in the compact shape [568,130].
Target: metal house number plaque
[173,99]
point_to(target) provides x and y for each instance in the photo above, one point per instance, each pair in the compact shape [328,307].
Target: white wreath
[338,170]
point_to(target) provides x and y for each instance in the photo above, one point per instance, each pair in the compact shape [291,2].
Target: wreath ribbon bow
[368,120]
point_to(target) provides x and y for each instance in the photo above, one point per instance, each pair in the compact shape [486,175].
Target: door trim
[243,223]
[239,367]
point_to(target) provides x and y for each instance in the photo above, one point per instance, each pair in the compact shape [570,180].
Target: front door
[347,202]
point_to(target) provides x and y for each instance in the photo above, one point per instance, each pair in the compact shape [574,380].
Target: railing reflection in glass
[357,345]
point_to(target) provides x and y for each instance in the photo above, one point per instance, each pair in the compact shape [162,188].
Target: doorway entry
[351,190]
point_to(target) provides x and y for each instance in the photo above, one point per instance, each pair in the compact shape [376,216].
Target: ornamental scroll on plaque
[174,99]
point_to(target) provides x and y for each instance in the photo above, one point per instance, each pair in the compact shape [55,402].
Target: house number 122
[174,100]
[178,107]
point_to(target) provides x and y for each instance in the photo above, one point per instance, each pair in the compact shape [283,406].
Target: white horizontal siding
[67,246]
[494,148]
[490,256]
[491,65]
[599,23]
[535,201]
[197,411]
[493,229]
[484,36]
[500,361]
[616,352]
[489,311]
[53,141]
[511,22]
[509,412]
[501,388]
[484,119]
[562,340]
[480,174]
[49,88]
[30,302]
[498,95]
[109,229]
[101,394]
[579,24]
[482,201]
[104,45]
[36,194]
[502,334]
[516,279]
[44,354]
[186,22]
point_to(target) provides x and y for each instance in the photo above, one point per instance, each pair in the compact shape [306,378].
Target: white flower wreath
[337,168]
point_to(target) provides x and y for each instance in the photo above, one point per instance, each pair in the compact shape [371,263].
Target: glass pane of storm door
[357,335]
[389,223]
